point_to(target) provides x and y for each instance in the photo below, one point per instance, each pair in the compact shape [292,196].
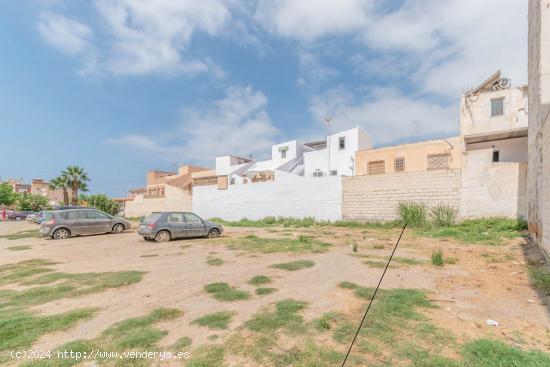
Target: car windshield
[152,218]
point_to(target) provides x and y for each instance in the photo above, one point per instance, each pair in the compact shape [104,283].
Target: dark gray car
[165,226]
[65,223]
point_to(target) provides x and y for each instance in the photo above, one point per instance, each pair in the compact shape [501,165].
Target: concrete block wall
[287,196]
[375,198]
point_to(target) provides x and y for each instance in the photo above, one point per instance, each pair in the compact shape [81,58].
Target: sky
[121,87]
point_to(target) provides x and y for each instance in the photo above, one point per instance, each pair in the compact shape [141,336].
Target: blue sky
[124,86]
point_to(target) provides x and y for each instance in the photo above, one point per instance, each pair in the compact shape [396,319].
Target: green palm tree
[77,178]
[61,182]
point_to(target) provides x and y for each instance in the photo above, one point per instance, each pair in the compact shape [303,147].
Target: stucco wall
[375,198]
[510,150]
[175,199]
[539,122]
[492,189]
[287,196]
[415,155]
[475,111]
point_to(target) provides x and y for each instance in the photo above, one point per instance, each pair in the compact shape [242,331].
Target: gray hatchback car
[61,224]
[165,226]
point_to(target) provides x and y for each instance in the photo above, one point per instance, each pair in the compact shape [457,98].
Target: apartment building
[163,191]
[332,156]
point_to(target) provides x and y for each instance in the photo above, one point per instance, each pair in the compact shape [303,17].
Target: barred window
[439,161]
[399,164]
[376,167]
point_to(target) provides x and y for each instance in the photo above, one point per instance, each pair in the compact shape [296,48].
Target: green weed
[214,261]
[415,214]
[19,248]
[223,292]
[540,278]
[303,244]
[263,291]
[437,257]
[259,279]
[31,233]
[218,320]
[294,265]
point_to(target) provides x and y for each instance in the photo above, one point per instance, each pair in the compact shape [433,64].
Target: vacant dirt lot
[446,308]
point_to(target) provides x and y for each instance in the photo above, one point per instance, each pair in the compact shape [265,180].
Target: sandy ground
[469,292]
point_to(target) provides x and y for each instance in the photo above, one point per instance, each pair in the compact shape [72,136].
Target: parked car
[31,217]
[41,216]
[65,207]
[61,224]
[19,215]
[166,226]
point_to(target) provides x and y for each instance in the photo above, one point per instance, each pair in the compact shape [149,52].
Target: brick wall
[375,198]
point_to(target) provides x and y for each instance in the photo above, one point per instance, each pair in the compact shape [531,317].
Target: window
[496,156]
[439,161]
[497,107]
[190,217]
[376,167]
[73,215]
[94,214]
[317,173]
[283,151]
[334,172]
[342,143]
[399,164]
[175,218]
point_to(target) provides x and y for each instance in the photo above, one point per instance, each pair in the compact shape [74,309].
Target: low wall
[287,196]
[375,198]
[492,189]
[174,199]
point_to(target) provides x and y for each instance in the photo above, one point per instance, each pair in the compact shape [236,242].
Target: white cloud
[458,43]
[310,19]
[386,114]
[236,124]
[447,46]
[68,35]
[141,37]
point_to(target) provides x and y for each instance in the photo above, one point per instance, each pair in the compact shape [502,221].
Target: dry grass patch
[302,244]
[224,292]
[294,265]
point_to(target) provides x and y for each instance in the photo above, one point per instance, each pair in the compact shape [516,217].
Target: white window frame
[501,100]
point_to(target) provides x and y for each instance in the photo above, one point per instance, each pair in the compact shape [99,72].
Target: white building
[332,156]
[494,116]
[300,180]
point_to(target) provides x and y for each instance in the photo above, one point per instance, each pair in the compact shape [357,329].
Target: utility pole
[328,120]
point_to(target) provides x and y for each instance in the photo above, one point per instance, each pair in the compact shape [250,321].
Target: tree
[7,196]
[27,201]
[101,202]
[76,178]
[61,182]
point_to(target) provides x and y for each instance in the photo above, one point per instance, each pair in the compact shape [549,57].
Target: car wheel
[163,236]
[118,228]
[18,219]
[61,234]
[214,233]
